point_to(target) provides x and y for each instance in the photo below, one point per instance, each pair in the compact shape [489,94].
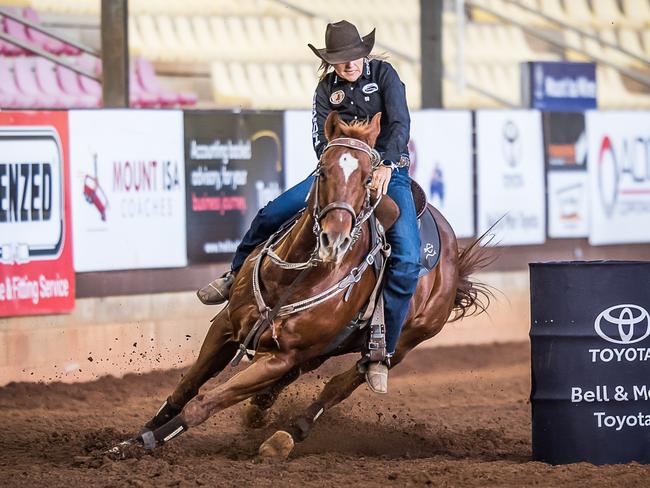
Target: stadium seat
[607,13]
[27,84]
[49,84]
[636,12]
[50,44]
[553,8]
[228,91]
[16,30]
[70,84]
[10,94]
[153,47]
[146,76]
[579,14]
[612,92]
[610,54]
[88,85]
[631,41]
[191,50]
[204,39]
[173,48]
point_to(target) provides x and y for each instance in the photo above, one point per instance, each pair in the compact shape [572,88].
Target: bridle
[366,210]
[318,214]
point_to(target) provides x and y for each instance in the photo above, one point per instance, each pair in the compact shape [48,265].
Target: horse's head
[342,185]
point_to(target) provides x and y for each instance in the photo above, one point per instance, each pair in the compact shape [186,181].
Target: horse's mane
[358,129]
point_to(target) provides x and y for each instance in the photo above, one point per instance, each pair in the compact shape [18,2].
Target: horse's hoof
[254,417]
[278,446]
[124,449]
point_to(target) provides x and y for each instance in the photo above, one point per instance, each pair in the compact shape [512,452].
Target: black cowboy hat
[343,43]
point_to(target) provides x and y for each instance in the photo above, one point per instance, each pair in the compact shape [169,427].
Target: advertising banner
[619,176]
[233,169]
[510,167]
[36,272]
[128,189]
[299,156]
[565,140]
[560,85]
[441,162]
[590,347]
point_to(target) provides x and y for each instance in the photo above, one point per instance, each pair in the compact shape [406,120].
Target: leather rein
[267,314]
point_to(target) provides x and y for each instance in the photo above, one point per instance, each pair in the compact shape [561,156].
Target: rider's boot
[377,377]
[217,291]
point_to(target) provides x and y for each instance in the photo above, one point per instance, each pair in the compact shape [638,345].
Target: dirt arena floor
[455,416]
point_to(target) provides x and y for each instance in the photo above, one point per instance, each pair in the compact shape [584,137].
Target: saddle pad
[430,239]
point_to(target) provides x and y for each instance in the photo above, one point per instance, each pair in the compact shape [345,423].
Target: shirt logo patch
[370,88]
[337,97]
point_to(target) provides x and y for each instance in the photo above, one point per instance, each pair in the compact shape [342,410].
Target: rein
[268,315]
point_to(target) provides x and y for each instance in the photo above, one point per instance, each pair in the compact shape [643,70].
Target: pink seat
[10,90]
[26,81]
[50,44]
[146,75]
[92,65]
[14,29]
[138,97]
[70,84]
[49,84]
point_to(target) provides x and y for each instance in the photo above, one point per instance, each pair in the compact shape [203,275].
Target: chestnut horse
[295,343]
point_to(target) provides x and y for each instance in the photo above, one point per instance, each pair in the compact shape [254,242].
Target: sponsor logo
[337,97]
[370,88]
[31,194]
[94,193]
[624,174]
[619,323]
[511,143]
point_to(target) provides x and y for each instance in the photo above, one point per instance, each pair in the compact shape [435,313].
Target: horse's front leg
[259,375]
[217,350]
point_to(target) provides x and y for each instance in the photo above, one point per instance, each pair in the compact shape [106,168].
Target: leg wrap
[165,413]
[167,432]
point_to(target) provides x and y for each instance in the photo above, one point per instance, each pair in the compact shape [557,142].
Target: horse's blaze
[348,164]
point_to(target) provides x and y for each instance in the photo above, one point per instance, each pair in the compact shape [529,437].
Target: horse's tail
[472,297]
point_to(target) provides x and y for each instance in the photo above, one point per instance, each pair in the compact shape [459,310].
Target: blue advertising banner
[560,86]
[590,347]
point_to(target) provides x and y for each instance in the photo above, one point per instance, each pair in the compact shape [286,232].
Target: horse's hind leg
[256,413]
[217,350]
[341,386]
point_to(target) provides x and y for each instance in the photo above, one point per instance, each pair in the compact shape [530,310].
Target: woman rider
[358,88]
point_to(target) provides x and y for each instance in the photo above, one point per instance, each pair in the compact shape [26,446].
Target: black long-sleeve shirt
[378,89]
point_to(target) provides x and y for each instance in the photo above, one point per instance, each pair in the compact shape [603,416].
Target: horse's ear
[375,127]
[332,129]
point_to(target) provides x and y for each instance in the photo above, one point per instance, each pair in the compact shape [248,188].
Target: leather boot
[217,291]
[377,377]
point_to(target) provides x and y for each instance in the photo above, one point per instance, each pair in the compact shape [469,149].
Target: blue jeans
[404,237]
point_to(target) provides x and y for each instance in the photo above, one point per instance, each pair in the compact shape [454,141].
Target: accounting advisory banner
[128,189]
[510,167]
[619,176]
[565,140]
[36,272]
[233,169]
[441,162]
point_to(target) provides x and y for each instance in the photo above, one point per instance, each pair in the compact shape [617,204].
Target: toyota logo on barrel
[619,323]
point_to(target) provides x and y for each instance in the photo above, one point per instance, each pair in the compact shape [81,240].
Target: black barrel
[590,347]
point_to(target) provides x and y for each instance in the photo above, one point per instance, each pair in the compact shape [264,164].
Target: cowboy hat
[343,43]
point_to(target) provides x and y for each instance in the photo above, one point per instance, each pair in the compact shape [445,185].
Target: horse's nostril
[324,239]
[345,245]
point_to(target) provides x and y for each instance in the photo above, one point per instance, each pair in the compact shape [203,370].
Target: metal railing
[553,40]
[32,48]
[401,54]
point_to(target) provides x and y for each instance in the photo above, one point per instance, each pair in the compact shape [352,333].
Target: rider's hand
[381,178]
